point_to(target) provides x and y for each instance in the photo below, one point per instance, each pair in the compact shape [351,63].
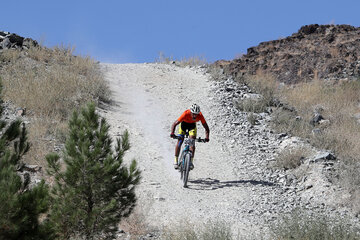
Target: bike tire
[181,168]
[186,169]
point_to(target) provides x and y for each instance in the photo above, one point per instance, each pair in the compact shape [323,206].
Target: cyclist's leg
[192,135]
[178,146]
[180,141]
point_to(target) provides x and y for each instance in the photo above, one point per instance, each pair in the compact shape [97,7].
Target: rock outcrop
[315,51]
[14,41]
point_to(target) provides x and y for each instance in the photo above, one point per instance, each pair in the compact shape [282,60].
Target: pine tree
[96,190]
[20,206]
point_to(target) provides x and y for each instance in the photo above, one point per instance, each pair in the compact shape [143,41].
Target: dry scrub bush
[44,135]
[301,225]
[355,201]
[216,73]
[287,121]
[291,158]
[38,130]
[252,118]
[253,105]
[135,224]
[162,58]
[185,61]
[193,61]
[9,55]
[209,230]
[265,85]
[50,84]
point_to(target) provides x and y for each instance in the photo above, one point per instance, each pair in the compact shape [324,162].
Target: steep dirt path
[223,186]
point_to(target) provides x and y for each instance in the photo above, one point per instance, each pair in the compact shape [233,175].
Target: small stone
[21,112]
[323,157]
[316,131]
[31,168]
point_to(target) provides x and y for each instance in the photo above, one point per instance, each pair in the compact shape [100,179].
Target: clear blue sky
[121,31]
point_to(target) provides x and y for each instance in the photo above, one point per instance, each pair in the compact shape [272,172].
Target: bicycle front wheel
[186,169]
[182,165]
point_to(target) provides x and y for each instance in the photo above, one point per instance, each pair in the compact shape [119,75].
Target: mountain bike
[185,156]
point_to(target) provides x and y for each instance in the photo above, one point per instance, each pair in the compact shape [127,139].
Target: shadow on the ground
[212,184]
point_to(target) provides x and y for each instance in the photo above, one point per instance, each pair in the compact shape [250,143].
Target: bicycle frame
[186,155]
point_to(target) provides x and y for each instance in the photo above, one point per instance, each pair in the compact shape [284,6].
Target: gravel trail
[230,182]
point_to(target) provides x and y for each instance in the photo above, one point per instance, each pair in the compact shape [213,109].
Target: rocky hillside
[315,51]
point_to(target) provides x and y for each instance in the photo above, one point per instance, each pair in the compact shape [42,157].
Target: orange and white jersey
[186,117]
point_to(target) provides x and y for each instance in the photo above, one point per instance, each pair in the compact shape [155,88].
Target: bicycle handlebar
[199,139]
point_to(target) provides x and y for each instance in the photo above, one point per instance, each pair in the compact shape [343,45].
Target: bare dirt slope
[230,182]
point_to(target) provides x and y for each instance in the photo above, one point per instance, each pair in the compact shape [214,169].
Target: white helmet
[195,108]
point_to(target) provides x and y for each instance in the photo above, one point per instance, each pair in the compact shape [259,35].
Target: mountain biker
[187,122]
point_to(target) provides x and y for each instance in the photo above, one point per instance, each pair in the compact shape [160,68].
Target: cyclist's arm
[173,126]
[207,130]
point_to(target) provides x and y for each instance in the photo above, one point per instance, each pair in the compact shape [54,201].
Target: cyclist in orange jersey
[187,122]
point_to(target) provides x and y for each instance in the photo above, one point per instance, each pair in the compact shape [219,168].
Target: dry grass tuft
[135,224]
[10,55]
[209,230]
[216,73]
[267,86]
[253,105]
[291,158]
[287,121]
[301,225]
[41,142]
[264,84]
[193,61]
[184,62]
[252,118]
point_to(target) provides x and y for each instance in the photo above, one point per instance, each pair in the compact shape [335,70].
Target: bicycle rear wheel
[186,169]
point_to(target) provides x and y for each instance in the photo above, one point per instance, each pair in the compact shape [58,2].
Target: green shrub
[21,206]
[96,190]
